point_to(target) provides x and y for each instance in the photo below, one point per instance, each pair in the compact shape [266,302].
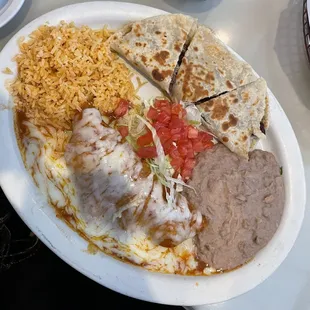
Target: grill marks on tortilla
[217,108]
[229,85]
[160,75]
[177,47]
[139,44]
[161,57]
[238,118]
[194,82]
[233,121]
[154,45]
[137,30]
[144,59]
[209,69]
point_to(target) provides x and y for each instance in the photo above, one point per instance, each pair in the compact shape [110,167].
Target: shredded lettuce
[160,159]
[155,171]
[162,168]
[162,172]
[179,181]
[105,119]
[193,115]
[135,127]
[132,142]
[148,103]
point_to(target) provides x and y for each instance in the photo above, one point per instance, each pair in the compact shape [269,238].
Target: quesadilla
[155,44]
[209,69]
[238,118]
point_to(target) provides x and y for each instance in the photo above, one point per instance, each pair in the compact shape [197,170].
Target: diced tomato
[163,106]
[177,163]
[190,153]
[123,130]
[201,135]
[204,136]
[158,125]
[178,110]
[182,150]
[161,103]
[176,134]
[145,139]
[175,130]
[164,131]
[168,146]
[189,163]
[122,108]
[187,169]
[186,173]
[179,139]
[152,114]
[208,144]
[198,145]
[176,122]
[184,133]
[147,152]
[206,139]
[192,132]
[164,118]
[167,110]
[176,137]
[174,153]
[164,134]
[184,146]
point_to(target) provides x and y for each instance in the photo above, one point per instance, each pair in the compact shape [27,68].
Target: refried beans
[242,201]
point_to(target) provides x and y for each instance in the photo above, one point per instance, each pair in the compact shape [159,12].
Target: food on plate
[147,179]
[154,45]
[242,201]
[60,187]
[63,69]
[113,183]
[238,118]
[209,68]
[180,140]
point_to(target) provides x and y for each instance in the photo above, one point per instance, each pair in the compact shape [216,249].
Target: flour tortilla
[238,118]
[154,45]
[209,69]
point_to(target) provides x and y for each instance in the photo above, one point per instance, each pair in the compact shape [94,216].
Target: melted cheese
[103,196]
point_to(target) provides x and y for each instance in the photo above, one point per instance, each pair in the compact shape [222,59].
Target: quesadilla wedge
[155,44]
[238,118]
[209,69]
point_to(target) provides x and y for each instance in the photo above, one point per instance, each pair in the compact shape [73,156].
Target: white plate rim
[121,277]
[9,11]
[308,11]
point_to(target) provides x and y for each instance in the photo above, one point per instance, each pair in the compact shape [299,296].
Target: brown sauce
[22,131]
[20,128]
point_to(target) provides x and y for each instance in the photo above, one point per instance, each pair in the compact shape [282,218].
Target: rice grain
[63,69]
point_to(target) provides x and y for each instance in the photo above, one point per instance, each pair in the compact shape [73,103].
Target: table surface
[268,34]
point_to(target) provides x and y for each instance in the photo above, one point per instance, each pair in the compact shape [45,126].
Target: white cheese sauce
[102,189]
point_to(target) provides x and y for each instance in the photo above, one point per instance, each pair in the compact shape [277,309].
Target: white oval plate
[9,10]
[116,275]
